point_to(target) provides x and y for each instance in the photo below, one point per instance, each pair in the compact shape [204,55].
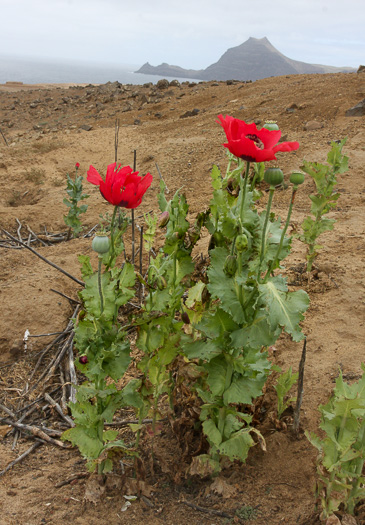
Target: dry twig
[81,283]
[20,458]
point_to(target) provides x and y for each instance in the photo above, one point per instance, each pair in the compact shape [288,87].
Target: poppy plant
[250,144]
[122,186]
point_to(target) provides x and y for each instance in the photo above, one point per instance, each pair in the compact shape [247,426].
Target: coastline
[14,86]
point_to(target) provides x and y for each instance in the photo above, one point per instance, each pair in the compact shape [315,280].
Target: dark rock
[158,115]
[361,69]
[357,111]
[174,83]
[163,84]
[86,127]
[137,122]
[190,113]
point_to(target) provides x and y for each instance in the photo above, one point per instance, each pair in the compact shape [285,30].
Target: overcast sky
[189,33]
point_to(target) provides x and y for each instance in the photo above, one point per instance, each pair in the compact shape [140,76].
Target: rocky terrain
[45,131]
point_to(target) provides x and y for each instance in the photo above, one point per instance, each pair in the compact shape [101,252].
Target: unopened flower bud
[161,282]
[101,244]
[83,359]
[273,176]
[185,318]
[163,219]
[241,242]
[230,265]
[297,178]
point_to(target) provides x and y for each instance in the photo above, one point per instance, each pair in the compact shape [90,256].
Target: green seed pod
[101,244]
[163,219]
[161,282]
[230,265]
[273,176]
[297,178]
[241,242]
[271,125]
[185,318]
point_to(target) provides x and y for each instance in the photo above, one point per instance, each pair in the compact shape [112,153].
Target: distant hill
[254,59]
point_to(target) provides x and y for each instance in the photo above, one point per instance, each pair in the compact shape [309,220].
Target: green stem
[240,286]
[243,186]
[263,239]
[100,286]
[311,251]
[277,255]
[112,247]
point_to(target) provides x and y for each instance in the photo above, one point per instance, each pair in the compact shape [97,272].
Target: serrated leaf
[216,178]
[202,349]
[86,440]
[215,324]
[217,371]
[284,309]
[244,389]
[257,334]
[195,294]
[222,287]
[212,432]
[238,446]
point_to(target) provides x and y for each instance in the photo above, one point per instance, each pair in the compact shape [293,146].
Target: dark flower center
[256,140]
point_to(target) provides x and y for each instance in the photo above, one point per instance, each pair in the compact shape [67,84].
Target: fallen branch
[65,296]
[20,458]
[81,283]
[57,407]
[37,432]
[300,388]
[36,236]
[72,478]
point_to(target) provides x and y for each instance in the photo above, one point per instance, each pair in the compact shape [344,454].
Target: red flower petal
[93,176]
[251,144]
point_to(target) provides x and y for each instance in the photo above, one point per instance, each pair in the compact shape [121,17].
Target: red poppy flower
[77,165]
[122,186]
[248,143]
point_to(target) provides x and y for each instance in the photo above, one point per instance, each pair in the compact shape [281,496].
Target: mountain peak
[254,59]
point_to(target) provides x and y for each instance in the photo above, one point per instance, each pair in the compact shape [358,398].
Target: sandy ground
[42,139]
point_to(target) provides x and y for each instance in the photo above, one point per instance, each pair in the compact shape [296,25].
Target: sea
[46,71]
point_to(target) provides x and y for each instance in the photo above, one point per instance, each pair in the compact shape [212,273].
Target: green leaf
[195,294]
[284,308]
[204,350]
[244,389]
[217,371]
[86,440]
[238,446]
[131,394]
[215,324]
[110,435]
[127,279]
[222,287]
[257,334]
[216,178]
[212,432]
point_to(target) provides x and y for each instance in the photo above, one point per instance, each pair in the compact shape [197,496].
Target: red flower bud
[77,165]
[83,359]
[163,219]
[185,318]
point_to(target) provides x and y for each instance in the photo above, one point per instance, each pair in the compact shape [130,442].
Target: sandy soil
[42,139]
